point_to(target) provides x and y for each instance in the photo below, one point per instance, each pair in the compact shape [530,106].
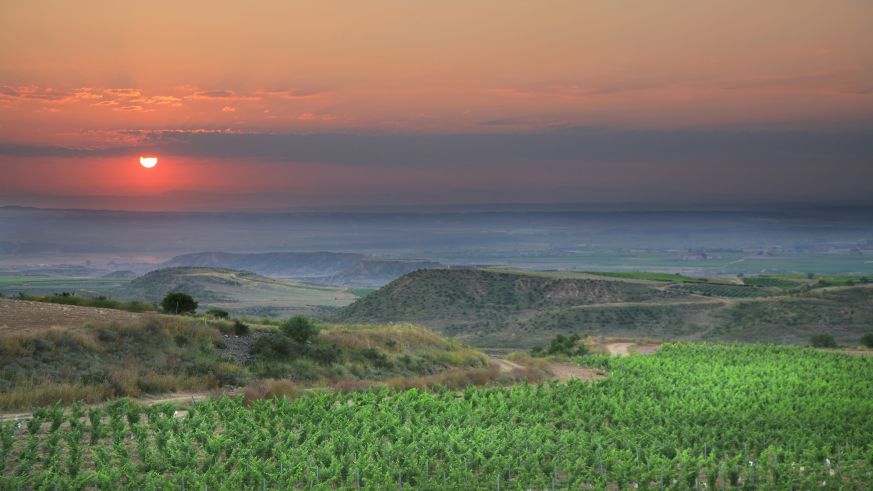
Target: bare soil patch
[618,349]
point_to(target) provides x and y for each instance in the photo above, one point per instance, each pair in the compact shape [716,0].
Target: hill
[327,268]
[51,352]
[281,264]
[433,295]
[241,292]
[520,309]
[371,272]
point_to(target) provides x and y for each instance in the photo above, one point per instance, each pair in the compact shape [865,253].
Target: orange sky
[93,75]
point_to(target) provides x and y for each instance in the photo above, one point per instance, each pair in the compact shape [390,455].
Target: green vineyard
[692,416]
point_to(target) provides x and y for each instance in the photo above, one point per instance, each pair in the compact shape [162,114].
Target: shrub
[823,340]
[324,353]
[217,313]
[179,303]
[867,340]
[300,329]
[240,329]
[274,345]
[303,370]
[562,345]
[181,339]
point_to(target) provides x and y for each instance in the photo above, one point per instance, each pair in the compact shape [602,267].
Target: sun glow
[148,162]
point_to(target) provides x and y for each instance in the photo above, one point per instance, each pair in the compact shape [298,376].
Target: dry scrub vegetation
[148,355]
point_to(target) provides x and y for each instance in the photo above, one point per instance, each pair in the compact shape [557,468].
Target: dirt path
[505,365]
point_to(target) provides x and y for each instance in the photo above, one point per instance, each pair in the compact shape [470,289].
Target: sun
[148,162]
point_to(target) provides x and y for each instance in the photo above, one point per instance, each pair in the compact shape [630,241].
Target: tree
[299,328]
[867,340]
[823,340]
[179,303]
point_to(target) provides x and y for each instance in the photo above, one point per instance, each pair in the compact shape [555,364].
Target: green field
[643,275]
[47,285]
[724,263]
[689,417]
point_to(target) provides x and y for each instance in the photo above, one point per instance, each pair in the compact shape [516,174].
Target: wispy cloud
[220,95]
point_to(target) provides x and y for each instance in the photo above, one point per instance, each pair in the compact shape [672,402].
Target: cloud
[33,93]
[161,100]
[126,93]
[228,109]
[111,97]
[291,94]
[220,95]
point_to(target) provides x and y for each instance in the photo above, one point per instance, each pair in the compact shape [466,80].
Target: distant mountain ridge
[328,268]
[287,264]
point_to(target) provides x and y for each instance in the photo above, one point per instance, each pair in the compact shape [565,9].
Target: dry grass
[394,337]
[25,316]
[48,393]
[528,361]
[271,389]
[150,363]
[403,338]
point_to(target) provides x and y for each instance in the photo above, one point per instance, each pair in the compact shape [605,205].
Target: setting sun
[148,162]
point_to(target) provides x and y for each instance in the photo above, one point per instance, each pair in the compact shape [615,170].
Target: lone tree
[823,340]
[299,328]
[179,303]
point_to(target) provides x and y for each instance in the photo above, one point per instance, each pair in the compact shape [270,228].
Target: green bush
[867,340]
[179,303]
[240,329]
[823,340]
[300,329]
[562,345]
[217,313]
[324,354]
[276,345]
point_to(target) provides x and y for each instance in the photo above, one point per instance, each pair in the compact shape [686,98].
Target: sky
[282,104]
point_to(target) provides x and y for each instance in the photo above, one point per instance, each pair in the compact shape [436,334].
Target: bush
[299,328]
[179,303]
[867,340]
[562,345]
[240,329]
[274,345]
[324,354]
[823,340]
[217,313]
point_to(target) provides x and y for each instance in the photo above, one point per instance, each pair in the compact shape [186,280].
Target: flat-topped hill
[519,309]
[235,290]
